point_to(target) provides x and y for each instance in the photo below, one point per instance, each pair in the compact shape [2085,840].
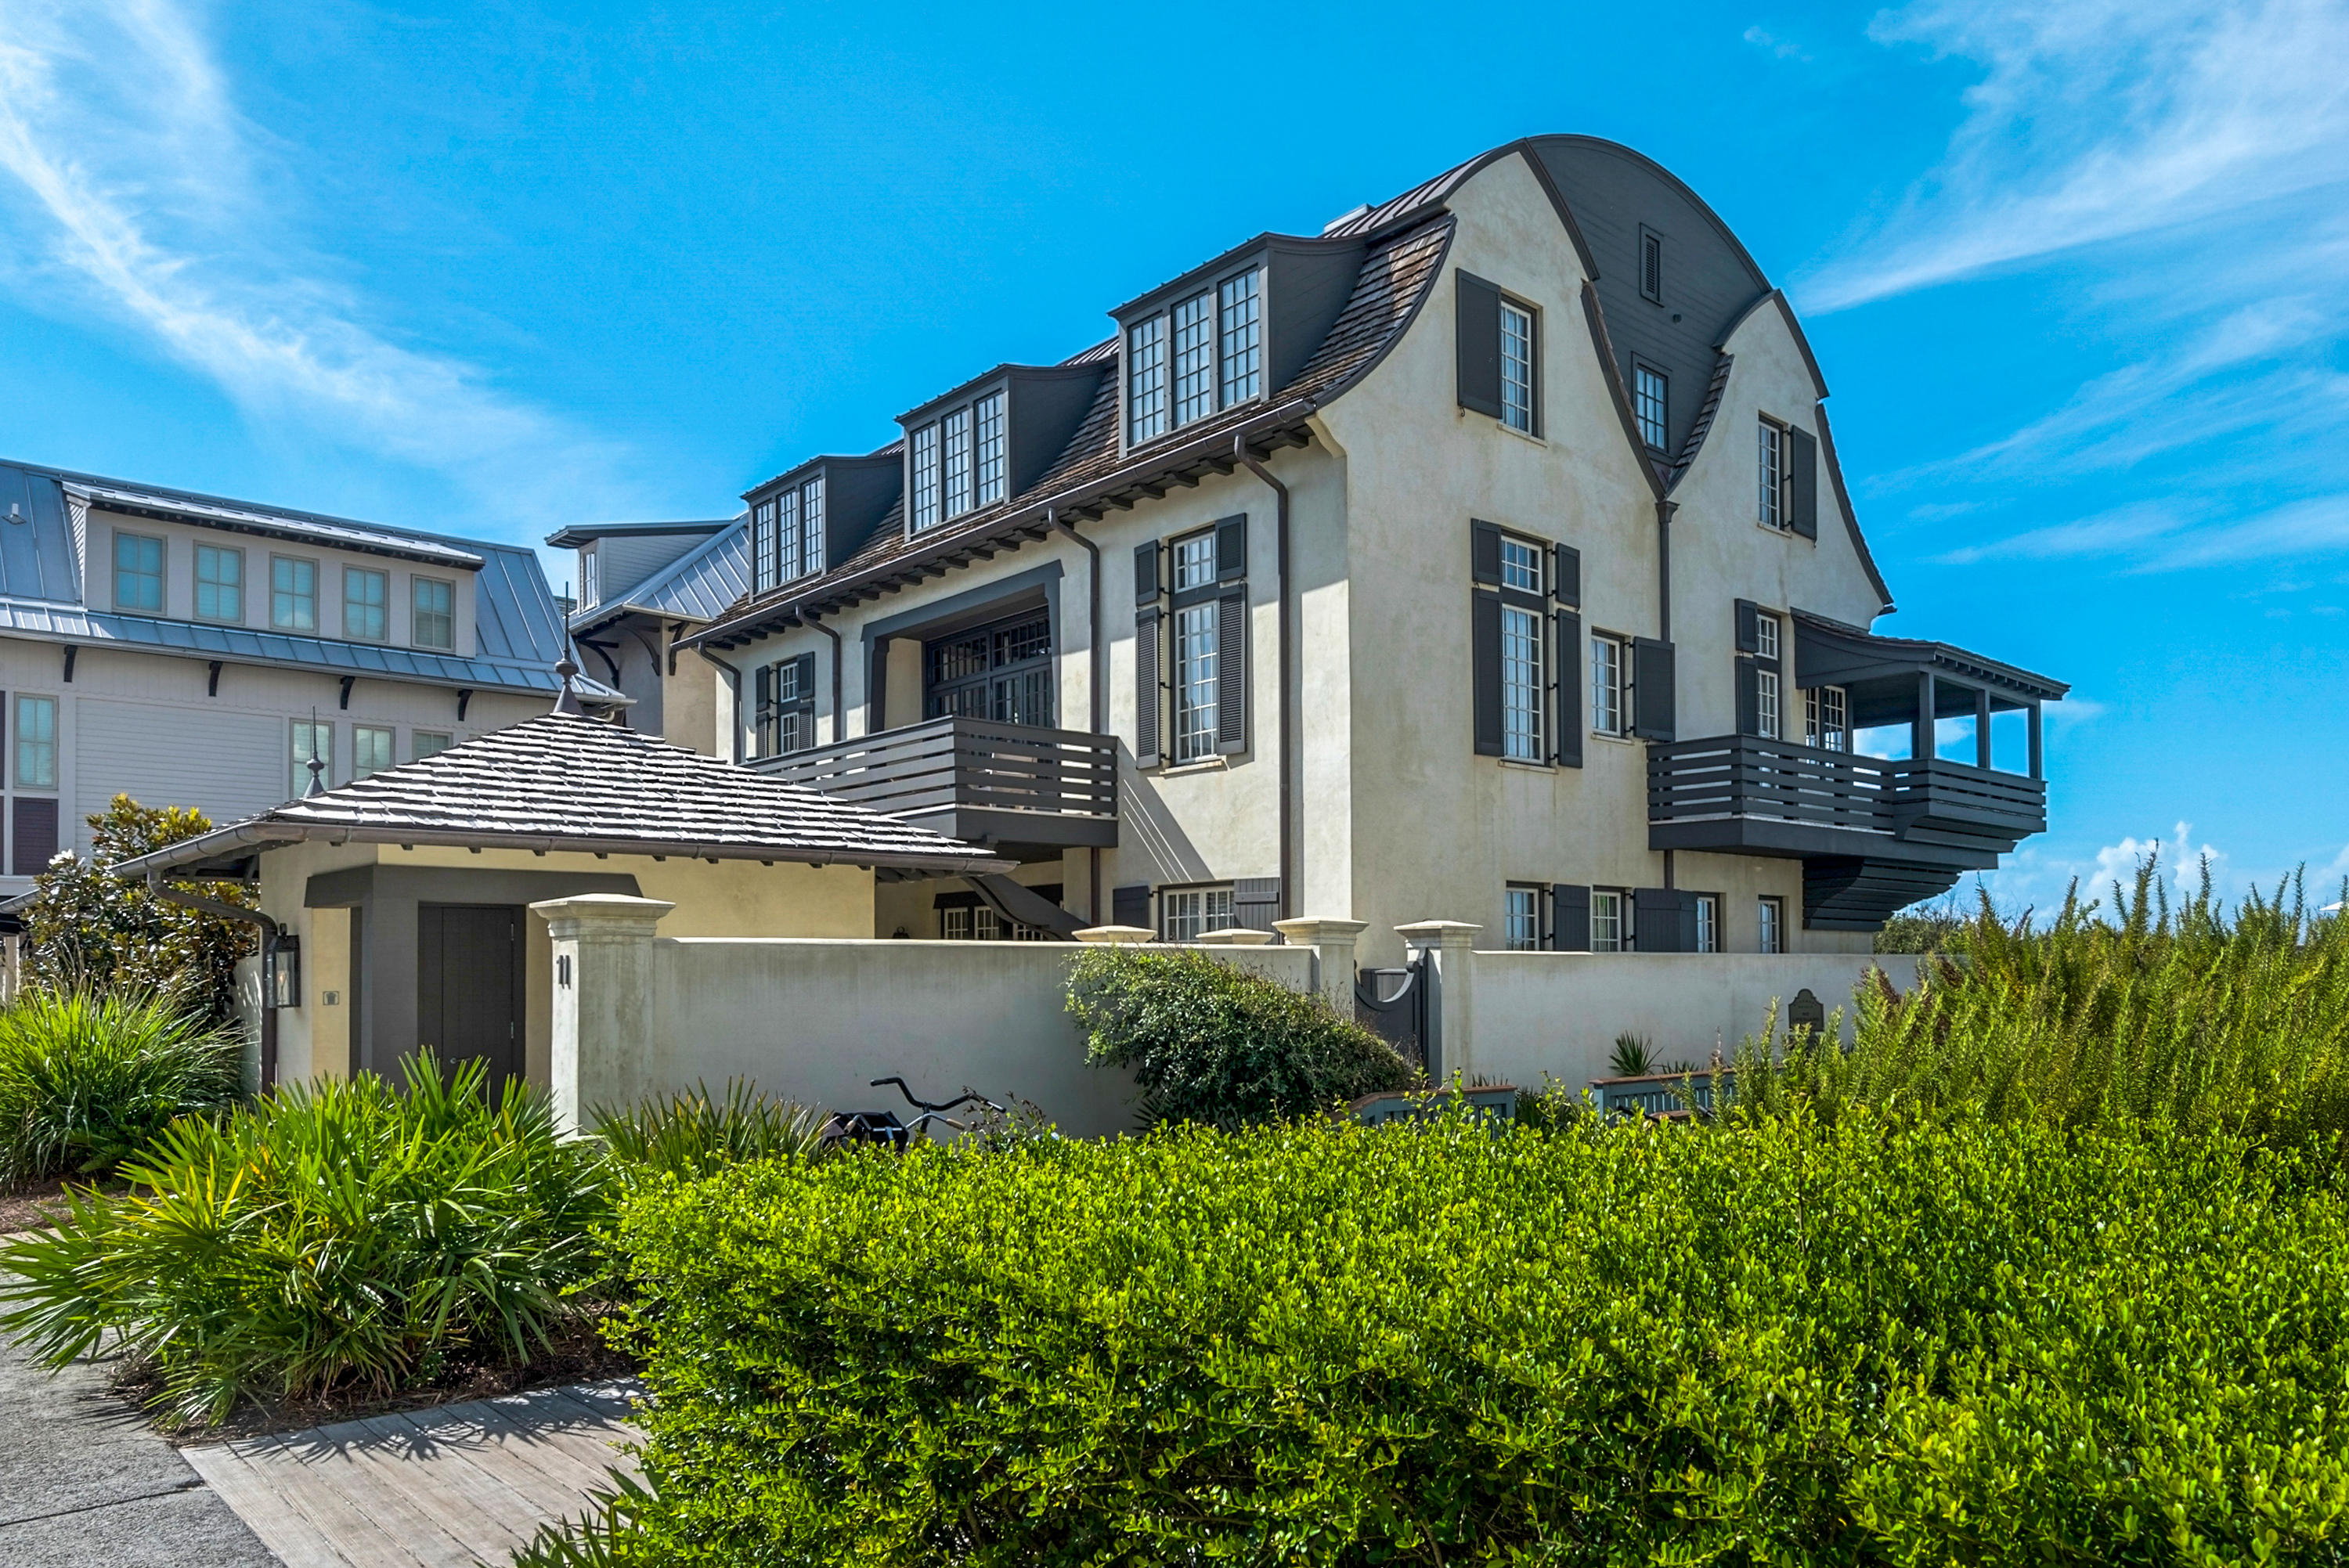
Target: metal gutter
[1287,903]
[1096,658]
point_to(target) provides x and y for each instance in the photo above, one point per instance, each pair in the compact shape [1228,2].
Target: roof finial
[317,768]
[567,699]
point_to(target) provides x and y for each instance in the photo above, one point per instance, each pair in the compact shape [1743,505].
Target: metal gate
[1398,1006]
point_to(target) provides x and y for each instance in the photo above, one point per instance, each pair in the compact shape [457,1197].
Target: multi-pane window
[1772,475]
[1609,930]
[1195,661]
[1194,358]
[973,923]
[138,572]
[1765,704]
[293,593]
[366,597]
[1145,380]
[926,477]
[955,440]
[1521,913]
[424,743]
[787,537]
[370,749]
[1521,565]
[313,739]
[37,742]
[433,615]
[1521,684]
[1770,916]
[1765,635]
[1826,718]
[812,547]
[764,525]
[219,584]
[1191,911]
[1648,402]
[1607,684]
[1242,338]
[779,719]
[787,534]
[589,593]
[1516,368]
[986,414]
[1708,922]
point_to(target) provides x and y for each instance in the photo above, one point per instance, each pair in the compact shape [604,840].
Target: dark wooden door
[469,986]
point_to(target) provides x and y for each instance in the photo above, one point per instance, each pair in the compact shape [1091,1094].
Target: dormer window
[787,536]
[958,462]
[1203,353]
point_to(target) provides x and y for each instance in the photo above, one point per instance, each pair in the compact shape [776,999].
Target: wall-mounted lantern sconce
[281,979]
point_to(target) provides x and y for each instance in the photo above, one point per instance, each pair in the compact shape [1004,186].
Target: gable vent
[1651,265]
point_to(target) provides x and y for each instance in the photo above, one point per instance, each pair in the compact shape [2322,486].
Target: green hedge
[1779,1343]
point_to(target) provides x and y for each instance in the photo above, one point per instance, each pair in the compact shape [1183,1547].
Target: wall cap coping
[1305,931]
[1234,936]
[616,912]
[1438,932]
[1127,934]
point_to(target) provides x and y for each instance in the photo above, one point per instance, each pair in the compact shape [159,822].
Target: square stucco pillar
[604,1006]
[1332,940]
[1450,948]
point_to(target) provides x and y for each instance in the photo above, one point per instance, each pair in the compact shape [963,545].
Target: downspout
[1288,904]
[1664,509]
[733,674]
[839,714]
[1100,690]
[270,932]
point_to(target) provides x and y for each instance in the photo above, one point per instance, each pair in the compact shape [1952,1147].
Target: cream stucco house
[1483,556]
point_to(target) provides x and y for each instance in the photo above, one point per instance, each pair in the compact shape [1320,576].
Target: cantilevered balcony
[1021,790]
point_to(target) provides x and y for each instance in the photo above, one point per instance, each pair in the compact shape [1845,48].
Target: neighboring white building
[1484,556]
[189,650]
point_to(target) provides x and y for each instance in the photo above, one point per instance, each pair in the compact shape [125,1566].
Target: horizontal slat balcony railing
[951,764]
[1954,794]
[1736,777]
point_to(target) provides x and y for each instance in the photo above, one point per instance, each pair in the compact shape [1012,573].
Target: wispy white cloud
[141,192]
[2168,536]
[1783,48]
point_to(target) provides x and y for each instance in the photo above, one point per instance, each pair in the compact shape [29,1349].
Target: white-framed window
[925,462]
[954,439]
[766,532]
[1516,368]
[138,572]
[1771,477]
[970,922]
[1242,309]
[1145,381]
[1186,912]
[781,721]
[1521,684]
[432,621]
[1610,921]
[1708,922]
[1826,717]
[367,604]
[1770,919]
[1521,913]
[1765,635]
[1766,704]
[1521,564]
[424,743]
[589,594]
[1197,651]
[312,738]
[370,748]
[1606,683]
[37,742]
[1194,358]
[293,593]
[987,443]
[1648,388]
[219,584]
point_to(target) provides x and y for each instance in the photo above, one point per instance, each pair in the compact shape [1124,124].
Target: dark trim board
[1782,840]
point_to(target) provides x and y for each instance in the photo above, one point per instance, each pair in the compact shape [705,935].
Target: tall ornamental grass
[2185,1017]
[88,1079]
[1871,1343]
[331,1235]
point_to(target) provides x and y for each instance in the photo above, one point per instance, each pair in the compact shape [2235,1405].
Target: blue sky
[2074,269]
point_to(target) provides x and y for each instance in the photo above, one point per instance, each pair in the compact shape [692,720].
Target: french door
[1002,672]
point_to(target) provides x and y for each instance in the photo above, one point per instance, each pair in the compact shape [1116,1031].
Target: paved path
[83,1481]
[444,1488]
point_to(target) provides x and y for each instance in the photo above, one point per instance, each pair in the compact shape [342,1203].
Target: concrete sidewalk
[83,1481]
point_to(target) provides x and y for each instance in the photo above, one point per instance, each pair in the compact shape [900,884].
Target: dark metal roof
[565,782]
[1832,652]
[698,586]
[581,534]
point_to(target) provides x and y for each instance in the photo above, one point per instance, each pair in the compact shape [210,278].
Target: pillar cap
[616,912]
[1438,932]
[1234,936]
[1306,928]
[1116,933]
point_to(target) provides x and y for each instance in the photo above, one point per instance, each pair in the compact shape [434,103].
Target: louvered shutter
[1484,553]
[1569,918]
[1479,332]
[1231,550]
[1130,906]
[1749,636]
[1145,573]
[1803,484]
[1749,697]
[1256,902]
[1231,673]
[1656,920]
[806,707]
[1687,923]
[1566,576]
[1570,688]
[1148,636]
[1652,678]
[1485,660]
[36,835]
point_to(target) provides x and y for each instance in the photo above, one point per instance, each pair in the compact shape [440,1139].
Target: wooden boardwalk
[444,1488]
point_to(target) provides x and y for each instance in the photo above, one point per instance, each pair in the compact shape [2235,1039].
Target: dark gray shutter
[1231,673]
[1656,920]
[1485,651]
[1570,688]
[1569,918]
[1652,689]
[876,688]
[1130,906]
[1749,636]
[1688,923]
[1146,722]
[1480,344]
[806,705]
[1145,573]
[1231,548]
[1535,322]
[36,835]
[1801,484]
[1484,552]
[1256,902]
[1565,575]
[1749,697]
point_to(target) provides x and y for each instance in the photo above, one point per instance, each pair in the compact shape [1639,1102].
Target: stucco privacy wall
[1537,1015]
[816,1021]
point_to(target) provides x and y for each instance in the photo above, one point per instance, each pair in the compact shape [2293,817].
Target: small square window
[434,625]
[1521,913]
[370,749]
[293,593]
[36,743]
[219,584]
[1521,565]
[139,573]
[366,596]
[424,743]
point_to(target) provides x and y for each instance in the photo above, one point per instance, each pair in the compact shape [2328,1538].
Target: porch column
[602,1009]
[1920,731]
[1450,948]
[2038,760]
[1332,940]
[1981,726]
